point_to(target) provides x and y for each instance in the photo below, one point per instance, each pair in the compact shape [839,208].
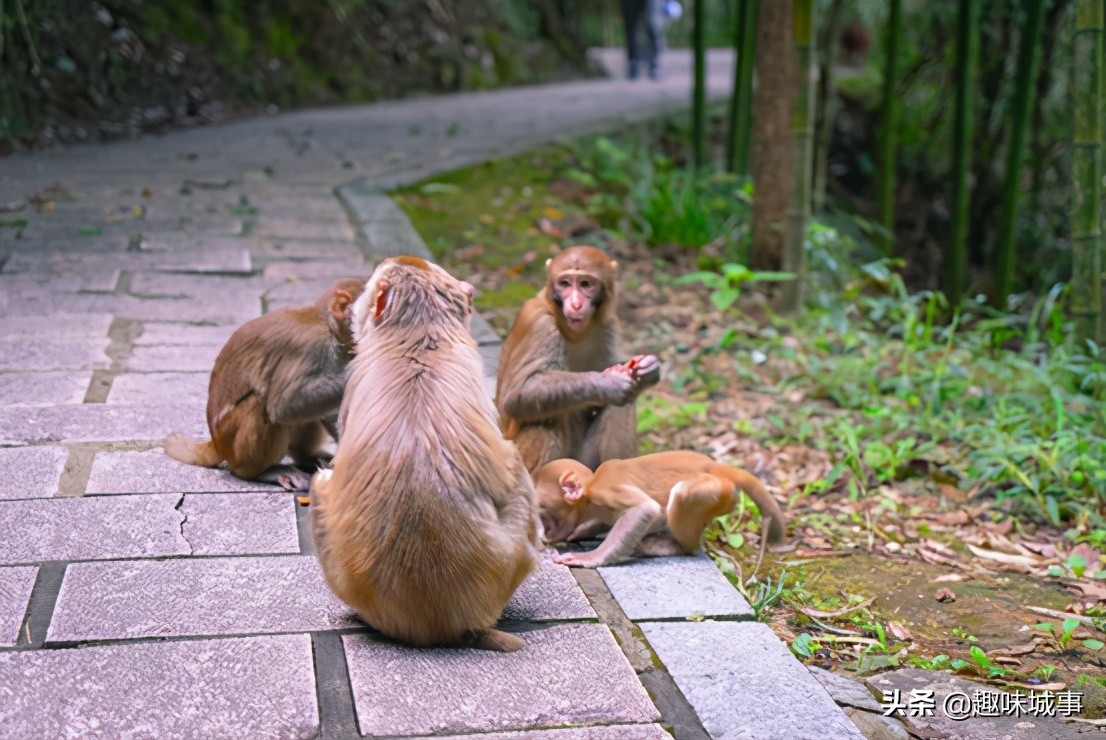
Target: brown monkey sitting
[561,390]
[427,523]
[275,389]
[655,504]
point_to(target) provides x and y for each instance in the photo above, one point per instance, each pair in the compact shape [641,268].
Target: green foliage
[659,202]
[726,285]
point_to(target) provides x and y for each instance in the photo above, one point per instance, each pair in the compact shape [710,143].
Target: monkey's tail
[775,526]
[192,451]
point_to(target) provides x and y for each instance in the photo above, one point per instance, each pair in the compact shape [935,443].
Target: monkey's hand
[618,381]
[646,370]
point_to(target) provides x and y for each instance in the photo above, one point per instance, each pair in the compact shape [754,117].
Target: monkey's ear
[570,486]
[614,265]
[339,304]
[381,300]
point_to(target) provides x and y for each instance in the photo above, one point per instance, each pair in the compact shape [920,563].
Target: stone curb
[655,591]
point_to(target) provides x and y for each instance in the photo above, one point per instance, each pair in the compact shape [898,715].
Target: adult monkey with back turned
[563,390]
[427,523]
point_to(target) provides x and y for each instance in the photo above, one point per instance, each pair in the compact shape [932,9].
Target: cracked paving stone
[244,595]
[674,588]
[153,471]
[195,597]
[44,389]
[241,523]
[141,388]
[31,472]
[566,674]
[742,682]
[15,592]
[255,687]
[100,422]
[90,528]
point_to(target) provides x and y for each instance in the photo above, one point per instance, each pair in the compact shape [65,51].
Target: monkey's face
[562,505]
[578,294]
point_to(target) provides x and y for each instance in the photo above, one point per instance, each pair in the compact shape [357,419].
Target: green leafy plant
[726,284]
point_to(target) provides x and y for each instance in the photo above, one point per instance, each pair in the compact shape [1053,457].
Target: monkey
[426,523]
[657,504]
[275,389]
[562,390]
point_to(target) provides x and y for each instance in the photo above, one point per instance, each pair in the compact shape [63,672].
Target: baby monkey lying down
[655,504]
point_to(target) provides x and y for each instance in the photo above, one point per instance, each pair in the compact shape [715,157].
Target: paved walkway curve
[143,597]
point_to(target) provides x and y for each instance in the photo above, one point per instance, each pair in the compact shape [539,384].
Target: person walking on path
[639,16]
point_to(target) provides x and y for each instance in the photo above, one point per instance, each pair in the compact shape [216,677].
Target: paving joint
[40,607]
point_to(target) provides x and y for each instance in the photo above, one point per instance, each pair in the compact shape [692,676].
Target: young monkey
[275,390]
[655,504]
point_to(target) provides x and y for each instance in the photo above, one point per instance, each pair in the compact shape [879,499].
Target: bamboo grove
[773,37]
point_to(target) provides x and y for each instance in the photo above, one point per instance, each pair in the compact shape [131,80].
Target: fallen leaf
[1006,660]
[944,595]
[468,254]
[899,631]
[1018,560]
[550,229]
[1024,649]
[552,213]
[950,578]
[951,518]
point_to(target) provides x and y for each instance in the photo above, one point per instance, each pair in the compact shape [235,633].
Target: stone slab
[233,258]
[743,682]
[95,422]
[674,588]
[489,356]
[294,271]
[58,284]
[549,593]
[165,285]
[15,592]
[240,523]
[176,358]
[135,388]
[195,597]
[296,293]
[153,471]
[159,333]
[482,331]
[844,690]
[212,309]
[598,732]
[256,687]
[942,684]
[566,674]
[94,528]
[31,472]
[47,353]
[58,325]
[294,249]
[43,389]
[272,227]
[391,238]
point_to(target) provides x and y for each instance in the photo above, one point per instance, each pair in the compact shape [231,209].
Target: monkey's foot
[497,640]
[295,480]
[577,560]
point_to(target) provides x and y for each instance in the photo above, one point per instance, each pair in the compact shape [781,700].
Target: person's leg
[654,35]
[632,12]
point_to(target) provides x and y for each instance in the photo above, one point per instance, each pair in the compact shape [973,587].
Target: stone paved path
[145,598]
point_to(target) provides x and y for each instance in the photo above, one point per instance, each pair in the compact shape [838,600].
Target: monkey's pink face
[578,294]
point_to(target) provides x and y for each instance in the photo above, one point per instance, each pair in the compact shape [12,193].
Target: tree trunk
[889,130]
[1086,258]
[967,53]
[826,102]
[699,89]
[773,140]
[741,102]
[1019,116]
[794,257]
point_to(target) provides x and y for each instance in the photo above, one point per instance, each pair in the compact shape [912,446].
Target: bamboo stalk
[826,101]
[888,130]
[1015,153]
[798,212]
[699,89]
[1086,258]
[967,59]
[741,101]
